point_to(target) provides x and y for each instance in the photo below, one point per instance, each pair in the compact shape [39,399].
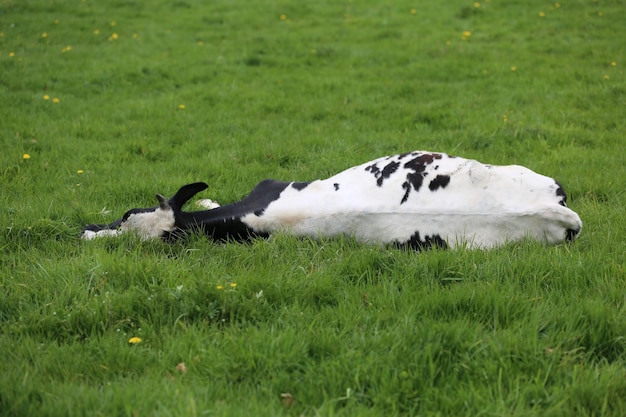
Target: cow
[416,200]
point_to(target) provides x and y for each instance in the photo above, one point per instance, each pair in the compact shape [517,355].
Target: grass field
[104,104]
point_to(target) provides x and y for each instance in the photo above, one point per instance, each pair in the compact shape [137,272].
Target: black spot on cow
[383,174]
[428,242]
[373,169]
[440,181]
[415,179]
[299,185]
[419,164]
[560,192]
[388,170]
[336,185]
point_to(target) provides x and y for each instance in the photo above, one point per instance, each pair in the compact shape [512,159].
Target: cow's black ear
[185,193]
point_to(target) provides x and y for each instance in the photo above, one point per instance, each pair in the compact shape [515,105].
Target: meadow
[105,104]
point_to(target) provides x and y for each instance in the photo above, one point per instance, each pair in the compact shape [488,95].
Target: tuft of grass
[105,104]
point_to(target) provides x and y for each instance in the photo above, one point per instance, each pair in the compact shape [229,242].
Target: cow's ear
[163,203]
[185,193]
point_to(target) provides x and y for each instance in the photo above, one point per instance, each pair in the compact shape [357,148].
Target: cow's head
[154,222]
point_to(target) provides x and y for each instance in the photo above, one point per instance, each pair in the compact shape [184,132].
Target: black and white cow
[417,200]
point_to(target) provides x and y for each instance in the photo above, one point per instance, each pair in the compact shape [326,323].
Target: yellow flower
[476,5]
[96,32]
[606,77]
[44,35]
[56,100]
[66,49]
[11,54]
[113,37]
[513,68]
[283,17]
[542,14]
[413,11]
[233,284]
[80,171]
[46,97]
[613,64]
[181,107]
[466,34]
[220,287]
[134,340]
[26,156]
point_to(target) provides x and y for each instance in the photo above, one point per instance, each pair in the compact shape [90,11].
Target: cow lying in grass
[415,200]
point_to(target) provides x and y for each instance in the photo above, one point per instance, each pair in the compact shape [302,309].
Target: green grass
[345,329]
